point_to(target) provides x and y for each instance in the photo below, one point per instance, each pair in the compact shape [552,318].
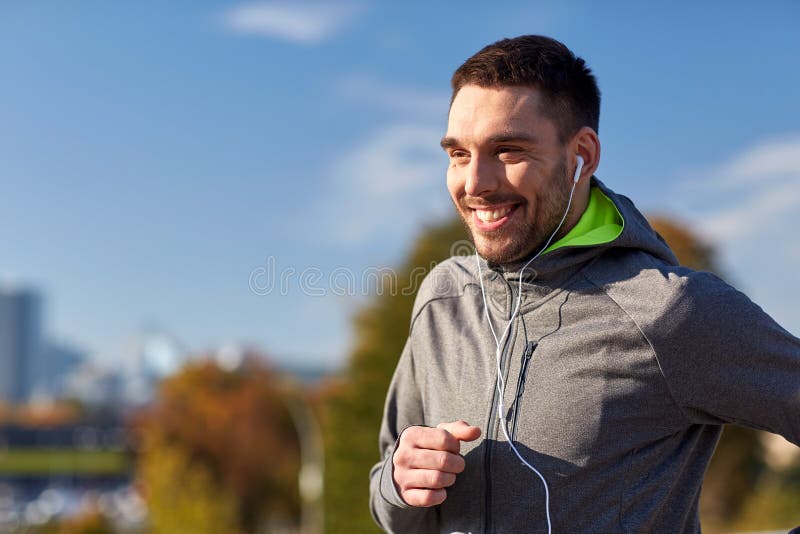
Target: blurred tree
[182,495]
[690,250]
[91,521]
[775,503]
[235,436]
[6,412]
[355,405]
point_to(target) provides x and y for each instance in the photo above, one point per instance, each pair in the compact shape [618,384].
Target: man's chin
[498,253]
[498,247]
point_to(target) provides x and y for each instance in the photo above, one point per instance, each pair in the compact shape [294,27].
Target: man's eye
[459,154]
[507,149]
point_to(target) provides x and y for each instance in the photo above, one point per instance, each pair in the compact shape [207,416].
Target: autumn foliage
[225,437]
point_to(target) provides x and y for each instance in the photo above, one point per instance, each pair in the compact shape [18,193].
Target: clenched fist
[427,461]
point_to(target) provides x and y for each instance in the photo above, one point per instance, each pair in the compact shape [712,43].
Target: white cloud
[759,210]
[303,23]
[761,188]
[771,160]
[387,183]
[396,160]
[408,100]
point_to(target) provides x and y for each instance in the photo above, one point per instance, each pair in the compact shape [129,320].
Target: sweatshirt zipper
[490,434]
[523,372]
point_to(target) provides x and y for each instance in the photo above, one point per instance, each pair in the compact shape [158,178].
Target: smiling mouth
[489,219]
[493,215]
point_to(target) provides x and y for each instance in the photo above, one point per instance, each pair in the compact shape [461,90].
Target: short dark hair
[571,95]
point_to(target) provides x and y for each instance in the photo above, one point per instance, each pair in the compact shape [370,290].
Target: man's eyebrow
[513,137]
[448,142]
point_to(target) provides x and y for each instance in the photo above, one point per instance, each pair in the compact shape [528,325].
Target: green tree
[775,503]
[182,495]
[355,406]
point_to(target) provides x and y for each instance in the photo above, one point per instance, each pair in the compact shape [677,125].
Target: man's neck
[580,199]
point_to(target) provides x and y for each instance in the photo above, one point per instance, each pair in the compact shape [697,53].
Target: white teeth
[492,215]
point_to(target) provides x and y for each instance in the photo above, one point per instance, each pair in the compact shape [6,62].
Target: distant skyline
[155,155]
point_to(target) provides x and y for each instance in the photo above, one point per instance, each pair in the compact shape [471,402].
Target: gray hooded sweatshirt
[618,378]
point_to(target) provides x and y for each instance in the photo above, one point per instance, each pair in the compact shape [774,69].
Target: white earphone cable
[499,342]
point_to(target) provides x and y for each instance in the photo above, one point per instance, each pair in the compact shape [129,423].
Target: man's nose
[481,177]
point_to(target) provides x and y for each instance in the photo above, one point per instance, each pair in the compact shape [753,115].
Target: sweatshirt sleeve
[403,408]
[726,361]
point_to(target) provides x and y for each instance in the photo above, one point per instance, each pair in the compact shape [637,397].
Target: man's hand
[427,460]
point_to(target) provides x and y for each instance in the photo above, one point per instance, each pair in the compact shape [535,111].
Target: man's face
[507,174]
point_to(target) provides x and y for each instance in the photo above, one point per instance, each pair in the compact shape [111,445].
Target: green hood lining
[601,223]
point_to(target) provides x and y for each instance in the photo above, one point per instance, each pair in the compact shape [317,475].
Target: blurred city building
[58,361]
[32,367]
[21,347]
[128,379]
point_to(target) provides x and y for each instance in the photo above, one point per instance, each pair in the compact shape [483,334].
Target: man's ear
[586,143]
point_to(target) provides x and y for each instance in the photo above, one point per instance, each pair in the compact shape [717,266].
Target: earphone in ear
[578,169]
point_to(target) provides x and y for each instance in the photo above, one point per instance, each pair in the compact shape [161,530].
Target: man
[594,372]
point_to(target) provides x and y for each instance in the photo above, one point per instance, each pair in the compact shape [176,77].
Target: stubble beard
[521,241]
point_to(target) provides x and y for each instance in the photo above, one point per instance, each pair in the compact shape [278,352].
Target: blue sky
[154,155]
